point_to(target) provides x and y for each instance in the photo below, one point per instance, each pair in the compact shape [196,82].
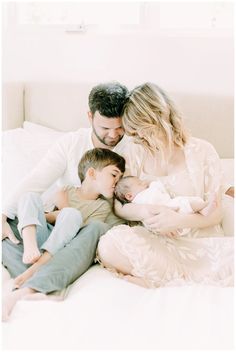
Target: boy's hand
[8,233]
[52,216]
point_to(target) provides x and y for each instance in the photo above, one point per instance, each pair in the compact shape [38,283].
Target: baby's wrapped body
[162,261]
[156,194]
[133,189]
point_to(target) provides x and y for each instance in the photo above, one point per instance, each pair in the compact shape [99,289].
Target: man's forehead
[106,119]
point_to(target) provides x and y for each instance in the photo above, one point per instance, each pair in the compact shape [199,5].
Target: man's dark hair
[108,99]
[98,158]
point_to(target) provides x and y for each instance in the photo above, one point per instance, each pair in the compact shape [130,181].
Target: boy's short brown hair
[98,158]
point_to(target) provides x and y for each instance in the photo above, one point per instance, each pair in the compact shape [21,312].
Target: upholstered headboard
[64,106]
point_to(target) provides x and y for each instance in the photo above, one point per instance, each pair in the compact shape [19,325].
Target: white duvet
[106,312]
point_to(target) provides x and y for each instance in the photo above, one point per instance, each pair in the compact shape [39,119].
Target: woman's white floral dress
[201,256]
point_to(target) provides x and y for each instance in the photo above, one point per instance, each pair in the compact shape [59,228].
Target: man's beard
[105,141]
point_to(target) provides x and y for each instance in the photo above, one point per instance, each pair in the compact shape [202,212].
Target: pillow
[228,169]
[228,215]
[228,202]
[40,129]
[21,151]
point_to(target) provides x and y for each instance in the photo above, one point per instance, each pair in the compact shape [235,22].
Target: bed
[102,311]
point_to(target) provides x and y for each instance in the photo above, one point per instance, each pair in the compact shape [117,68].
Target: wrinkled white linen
[103,312]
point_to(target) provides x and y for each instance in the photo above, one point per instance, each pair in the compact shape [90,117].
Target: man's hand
[230,192]
[7,232]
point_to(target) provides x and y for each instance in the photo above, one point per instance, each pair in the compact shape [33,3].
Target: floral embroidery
[161,260]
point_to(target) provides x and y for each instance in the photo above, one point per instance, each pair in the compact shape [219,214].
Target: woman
[186,166]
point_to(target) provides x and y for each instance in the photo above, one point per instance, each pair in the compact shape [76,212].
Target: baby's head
[128,187]
[101,168]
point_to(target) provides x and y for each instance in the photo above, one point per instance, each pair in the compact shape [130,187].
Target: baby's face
[137,186]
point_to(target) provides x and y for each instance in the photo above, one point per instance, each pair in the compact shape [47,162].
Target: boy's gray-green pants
[67,263]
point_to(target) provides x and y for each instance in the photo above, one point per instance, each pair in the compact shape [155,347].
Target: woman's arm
[209,164]
[137,212]
[168,220]
[131,212]
[164,219]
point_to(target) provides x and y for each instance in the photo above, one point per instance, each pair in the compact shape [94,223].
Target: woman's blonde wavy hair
[152,119]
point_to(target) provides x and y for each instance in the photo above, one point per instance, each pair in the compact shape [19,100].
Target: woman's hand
[168,220]
[137,212]
[7,231]
[165,221]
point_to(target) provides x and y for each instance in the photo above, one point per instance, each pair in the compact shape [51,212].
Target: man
[60,164]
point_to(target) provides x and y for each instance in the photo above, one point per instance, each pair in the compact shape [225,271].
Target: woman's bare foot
[31,252]
[136,280]
[211,206]
[11,299]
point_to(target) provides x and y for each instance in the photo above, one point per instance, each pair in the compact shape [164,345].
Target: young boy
[99,171]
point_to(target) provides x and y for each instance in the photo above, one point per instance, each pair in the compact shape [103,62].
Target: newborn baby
[132,189]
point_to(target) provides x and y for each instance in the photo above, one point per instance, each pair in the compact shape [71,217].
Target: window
[74,13]
[196,15]
[157,17]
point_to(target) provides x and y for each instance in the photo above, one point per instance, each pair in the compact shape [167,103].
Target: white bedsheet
[105,312]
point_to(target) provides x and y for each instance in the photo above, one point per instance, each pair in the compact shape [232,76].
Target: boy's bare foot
[31,252]
[20,279]
[11,299]
[31,256]
[211,206]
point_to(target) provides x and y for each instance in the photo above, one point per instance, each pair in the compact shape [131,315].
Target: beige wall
[187,60]
[193,64]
